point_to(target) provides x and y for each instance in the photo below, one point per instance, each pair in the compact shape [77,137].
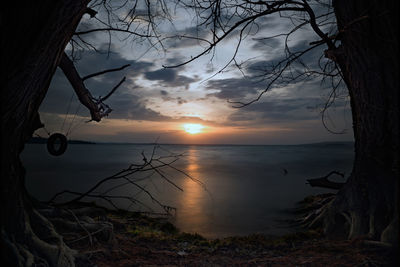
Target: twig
[104,71]
[84,228]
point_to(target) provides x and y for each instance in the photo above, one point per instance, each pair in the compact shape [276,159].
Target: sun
[193,128]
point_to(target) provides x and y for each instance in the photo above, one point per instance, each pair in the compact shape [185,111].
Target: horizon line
[194,144]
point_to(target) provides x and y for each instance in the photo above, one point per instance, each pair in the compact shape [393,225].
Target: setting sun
[193,128]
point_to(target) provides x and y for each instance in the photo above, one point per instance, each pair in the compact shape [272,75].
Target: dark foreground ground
[143,241]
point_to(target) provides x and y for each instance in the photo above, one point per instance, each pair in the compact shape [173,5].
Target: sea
[215,190]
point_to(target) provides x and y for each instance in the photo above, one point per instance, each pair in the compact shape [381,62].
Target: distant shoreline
[41,140]
[172,144]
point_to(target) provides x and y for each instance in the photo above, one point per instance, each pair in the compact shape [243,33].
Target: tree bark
[368,204]
[35,35]
[76,81]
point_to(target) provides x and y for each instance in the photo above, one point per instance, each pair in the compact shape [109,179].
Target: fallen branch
[127,177]
[325,183]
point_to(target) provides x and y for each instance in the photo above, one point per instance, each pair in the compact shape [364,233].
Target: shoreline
[139,240]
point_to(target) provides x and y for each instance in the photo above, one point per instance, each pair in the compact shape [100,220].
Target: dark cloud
[285,109]
[311,60]
[169,77]
[290,111]
[258,76]
[174,60]
[129,106]
[125,104]
[93,62]
[181,101]
[189,37]
[274,112]
[165,75]
[268,45]
[233,88]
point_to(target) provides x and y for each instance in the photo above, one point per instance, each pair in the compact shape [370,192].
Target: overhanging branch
[104,71]
[113,90]
[96,106]
[84,96]
[110,29]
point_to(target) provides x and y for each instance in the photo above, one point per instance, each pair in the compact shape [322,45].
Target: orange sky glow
[118,130]
[194,104]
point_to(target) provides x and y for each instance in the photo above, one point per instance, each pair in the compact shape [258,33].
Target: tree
[361,41]
[35,38]
[364,50]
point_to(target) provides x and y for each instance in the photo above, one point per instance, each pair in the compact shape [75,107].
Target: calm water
[247,189]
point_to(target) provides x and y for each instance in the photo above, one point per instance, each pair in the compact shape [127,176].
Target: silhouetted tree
[361,51]
[364,50]
[35,35]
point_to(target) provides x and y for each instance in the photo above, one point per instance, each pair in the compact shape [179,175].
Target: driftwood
[325,183]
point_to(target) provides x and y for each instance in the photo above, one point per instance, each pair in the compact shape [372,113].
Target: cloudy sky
[156,102]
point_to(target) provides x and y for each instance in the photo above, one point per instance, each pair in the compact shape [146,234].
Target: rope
[47,131]
[66,115]
[73,118]
[78,125]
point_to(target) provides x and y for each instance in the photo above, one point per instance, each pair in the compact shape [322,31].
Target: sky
[155,104]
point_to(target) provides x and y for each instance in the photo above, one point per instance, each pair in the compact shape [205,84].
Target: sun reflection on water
[191,188]
[193,211]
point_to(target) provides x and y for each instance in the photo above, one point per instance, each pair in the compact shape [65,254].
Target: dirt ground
[143,241]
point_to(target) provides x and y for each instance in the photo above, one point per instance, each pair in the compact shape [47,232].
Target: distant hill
[333,143]
[41,140]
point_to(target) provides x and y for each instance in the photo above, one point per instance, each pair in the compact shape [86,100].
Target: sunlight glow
[193,128]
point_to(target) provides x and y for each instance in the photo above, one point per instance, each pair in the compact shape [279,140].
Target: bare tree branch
[113,90]
[115,30]
[154,165]
[104,71]
[96,106]
[226,19]
[217,39]
[84,96]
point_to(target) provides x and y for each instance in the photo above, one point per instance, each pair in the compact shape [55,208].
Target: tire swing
[57,144]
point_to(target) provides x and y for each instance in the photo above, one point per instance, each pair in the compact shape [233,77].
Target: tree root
[330,213]
[38,244]
[76,225]
[49,232]
[45,231]
[312,210]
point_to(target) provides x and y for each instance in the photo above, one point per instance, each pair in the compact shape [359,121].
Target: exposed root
[377,244]
[48,234]
[331,214]
[37,244]
[45,232]
[76,225]
[312,210]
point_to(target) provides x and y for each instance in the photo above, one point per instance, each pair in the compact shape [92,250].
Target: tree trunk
[35,34]
[368,58]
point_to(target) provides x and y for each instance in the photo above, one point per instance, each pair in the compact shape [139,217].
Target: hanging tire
[52,146]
